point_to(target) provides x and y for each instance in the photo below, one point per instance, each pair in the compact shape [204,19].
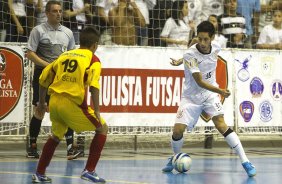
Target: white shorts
[189,112]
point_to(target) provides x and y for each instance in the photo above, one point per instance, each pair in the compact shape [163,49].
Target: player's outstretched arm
[175,62]
[203,84]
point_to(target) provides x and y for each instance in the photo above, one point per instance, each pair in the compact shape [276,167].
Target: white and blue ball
[181,162]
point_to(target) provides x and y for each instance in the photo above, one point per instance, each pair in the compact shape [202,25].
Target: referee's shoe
[74,153]
[32,151]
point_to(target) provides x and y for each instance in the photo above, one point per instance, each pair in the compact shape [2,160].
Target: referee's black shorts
[35,86]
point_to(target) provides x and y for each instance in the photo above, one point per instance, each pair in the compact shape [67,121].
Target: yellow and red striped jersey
[72,73]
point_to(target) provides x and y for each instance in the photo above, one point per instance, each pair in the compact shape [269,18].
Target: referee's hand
[40,110]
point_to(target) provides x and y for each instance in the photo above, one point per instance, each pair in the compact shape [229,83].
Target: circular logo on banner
[256,87]
[276,90]
[247,110]
[243,74]
[11,80]
[265,110]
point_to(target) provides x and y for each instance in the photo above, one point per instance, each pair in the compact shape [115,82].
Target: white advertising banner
[139,87]
[11,84]
[258,88]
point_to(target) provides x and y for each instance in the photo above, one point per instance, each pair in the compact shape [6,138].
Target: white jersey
[221,40]
[265,18]
[106,4]
[195,61]
[270,35]
[177,32]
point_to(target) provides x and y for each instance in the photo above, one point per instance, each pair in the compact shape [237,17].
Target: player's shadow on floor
[177,177]
[250,180]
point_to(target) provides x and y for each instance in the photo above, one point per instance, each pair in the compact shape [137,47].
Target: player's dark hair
[88,36]
[176,11]
[206,27]
[52,2]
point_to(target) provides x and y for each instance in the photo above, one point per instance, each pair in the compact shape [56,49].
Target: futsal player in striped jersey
[201,93]
[66,80]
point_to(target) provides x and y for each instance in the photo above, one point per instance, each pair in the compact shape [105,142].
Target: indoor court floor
[210,166]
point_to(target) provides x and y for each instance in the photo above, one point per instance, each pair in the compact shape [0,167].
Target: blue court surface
[210,166]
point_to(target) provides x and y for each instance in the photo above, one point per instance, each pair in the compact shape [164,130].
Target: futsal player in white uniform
[201,93]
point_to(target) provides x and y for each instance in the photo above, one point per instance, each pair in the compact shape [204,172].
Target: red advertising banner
[11,80]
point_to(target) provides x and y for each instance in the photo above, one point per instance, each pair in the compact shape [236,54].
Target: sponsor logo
[256,87]
[11,80]
[246,110]
[235,146]
[146,90]
[243,73]
[265,110]
[266,65]
[276,90]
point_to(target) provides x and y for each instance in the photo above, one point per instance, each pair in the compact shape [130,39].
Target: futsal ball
[181,162]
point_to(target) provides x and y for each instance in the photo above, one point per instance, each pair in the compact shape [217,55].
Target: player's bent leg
[47,154]
[177,137]
[178,130]
[220,124]
[234,142]
[176,144]
[103,129]
[95,150]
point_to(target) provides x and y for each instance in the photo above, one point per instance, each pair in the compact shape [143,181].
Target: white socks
[232,139]
[177,145]
[234,142]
